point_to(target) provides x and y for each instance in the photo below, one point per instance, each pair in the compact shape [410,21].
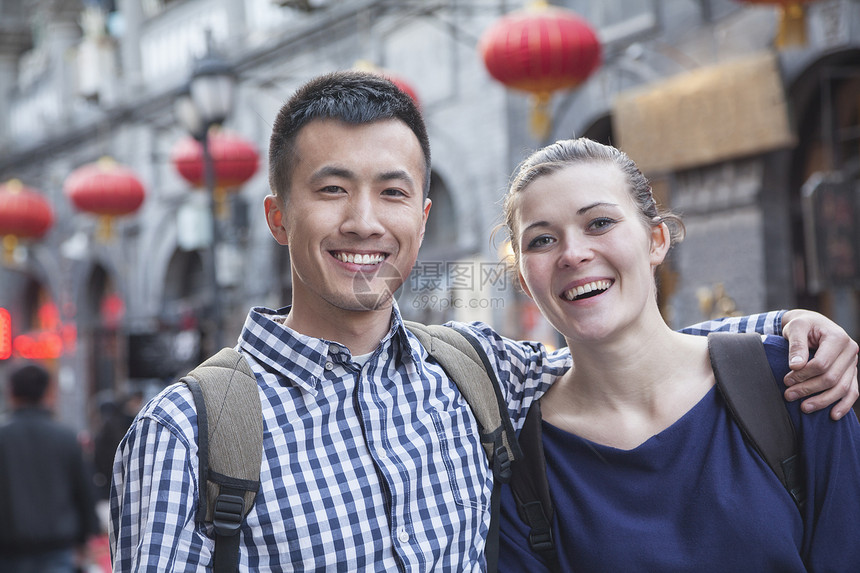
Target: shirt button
[329,365]
[402,535]
[333,349]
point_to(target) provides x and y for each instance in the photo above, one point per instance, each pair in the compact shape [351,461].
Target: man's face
[355,215]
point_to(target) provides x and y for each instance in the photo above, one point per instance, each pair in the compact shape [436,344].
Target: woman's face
[586,256]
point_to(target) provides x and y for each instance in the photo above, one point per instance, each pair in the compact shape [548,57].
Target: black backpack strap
[230,448]
[746,382]
[464,360]
[530,488]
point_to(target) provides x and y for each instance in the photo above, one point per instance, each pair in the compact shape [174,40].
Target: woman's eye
[601,223]
[541,241]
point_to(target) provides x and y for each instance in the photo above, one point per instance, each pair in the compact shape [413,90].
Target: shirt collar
[301,358]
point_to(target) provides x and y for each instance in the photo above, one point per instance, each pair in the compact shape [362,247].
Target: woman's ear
[661,240]
[276,219]
[523,284]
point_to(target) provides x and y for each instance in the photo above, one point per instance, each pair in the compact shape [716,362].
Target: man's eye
[331,189]
[394,193]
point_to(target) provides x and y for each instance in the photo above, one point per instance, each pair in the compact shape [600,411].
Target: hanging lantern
[403,85]
[24,214]
[234,159]
[106,189]
[792,21]
[540,50]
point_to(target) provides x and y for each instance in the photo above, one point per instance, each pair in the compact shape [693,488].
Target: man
[46,499]
[371,459]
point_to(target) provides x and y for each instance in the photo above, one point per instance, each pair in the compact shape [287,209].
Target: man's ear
[276,219]
[661,240]
[427,204]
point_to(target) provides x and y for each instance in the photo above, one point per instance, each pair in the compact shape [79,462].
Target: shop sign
[50,341]
[705,116]
[5,334]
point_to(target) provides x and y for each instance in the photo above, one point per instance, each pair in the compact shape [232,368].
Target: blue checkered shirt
[375,467]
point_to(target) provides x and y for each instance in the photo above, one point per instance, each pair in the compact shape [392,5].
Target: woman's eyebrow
[587,208]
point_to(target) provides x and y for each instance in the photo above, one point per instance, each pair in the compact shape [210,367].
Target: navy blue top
[696,497]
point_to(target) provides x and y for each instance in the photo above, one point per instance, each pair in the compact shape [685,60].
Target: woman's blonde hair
[567,152]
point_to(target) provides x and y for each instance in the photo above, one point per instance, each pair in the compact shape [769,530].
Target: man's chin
[372,301]
[363,302]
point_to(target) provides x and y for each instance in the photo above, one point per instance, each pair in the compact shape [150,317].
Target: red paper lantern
[234,160]
[106,189]
[792,21]
[540,50]
[24,214]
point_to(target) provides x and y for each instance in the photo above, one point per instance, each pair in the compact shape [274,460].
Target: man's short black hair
[29,383]
[353,97]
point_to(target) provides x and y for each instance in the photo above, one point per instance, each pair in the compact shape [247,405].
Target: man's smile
[359,258]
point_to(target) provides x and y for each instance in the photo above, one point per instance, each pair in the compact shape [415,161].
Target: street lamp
[207,100]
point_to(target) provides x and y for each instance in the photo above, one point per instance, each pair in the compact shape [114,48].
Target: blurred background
[133,159]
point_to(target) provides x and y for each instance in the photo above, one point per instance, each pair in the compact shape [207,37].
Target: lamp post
[207,100]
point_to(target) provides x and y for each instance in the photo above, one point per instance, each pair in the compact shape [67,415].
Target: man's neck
[360,331]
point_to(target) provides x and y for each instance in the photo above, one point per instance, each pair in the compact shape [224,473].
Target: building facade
[759,149]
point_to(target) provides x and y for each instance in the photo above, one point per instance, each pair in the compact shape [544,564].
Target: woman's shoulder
[776,350]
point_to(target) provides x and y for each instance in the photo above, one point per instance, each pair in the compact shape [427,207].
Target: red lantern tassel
[104,232]
[792,26]
[9,244]
[221,210]
[541,117]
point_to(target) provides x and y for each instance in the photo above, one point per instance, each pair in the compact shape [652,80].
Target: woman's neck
[622,391]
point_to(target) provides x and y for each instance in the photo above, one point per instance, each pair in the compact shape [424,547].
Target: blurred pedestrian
[117,416]
[46,496]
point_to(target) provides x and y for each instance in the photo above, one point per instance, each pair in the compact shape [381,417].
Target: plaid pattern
[765,323]
[364,468]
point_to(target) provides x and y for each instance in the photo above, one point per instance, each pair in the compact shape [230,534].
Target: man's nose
[362,217]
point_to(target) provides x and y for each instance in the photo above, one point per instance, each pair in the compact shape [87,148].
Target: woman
[646,467]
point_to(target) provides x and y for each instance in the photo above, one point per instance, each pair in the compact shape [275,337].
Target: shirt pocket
[464,458]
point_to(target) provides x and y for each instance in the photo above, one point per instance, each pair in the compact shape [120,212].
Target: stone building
[758,147]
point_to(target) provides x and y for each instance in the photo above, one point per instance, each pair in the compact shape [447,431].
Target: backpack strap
[530,488]
[230,448]
[464,359]
[745,379]
[467,364]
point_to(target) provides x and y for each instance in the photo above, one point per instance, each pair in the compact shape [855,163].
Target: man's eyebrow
[344,173]
[396,175]
[332,171]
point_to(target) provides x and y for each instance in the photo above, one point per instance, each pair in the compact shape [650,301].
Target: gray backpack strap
[230,447]
[467,364]
[745,380]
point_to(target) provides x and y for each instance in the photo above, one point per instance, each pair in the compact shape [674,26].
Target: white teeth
[586,288]
[360,259]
